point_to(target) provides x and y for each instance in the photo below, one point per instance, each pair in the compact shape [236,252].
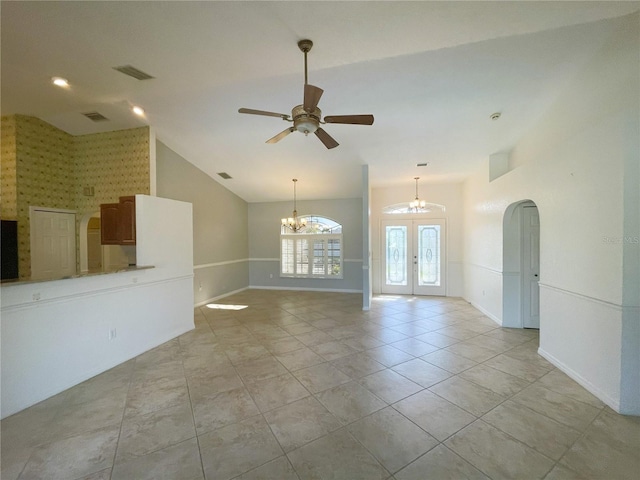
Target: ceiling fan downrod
[305,46]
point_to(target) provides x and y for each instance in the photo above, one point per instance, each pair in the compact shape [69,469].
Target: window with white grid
[314,252]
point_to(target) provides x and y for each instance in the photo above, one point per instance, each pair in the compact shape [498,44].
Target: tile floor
[308,386]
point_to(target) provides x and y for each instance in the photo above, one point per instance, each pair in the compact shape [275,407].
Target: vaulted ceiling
[431,73]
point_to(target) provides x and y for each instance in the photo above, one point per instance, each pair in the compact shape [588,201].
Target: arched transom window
[314,251]
[403,208]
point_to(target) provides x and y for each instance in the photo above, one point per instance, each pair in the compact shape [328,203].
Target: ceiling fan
[307,117]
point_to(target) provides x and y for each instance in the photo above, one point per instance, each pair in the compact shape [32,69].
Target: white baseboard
[199,304]
[485,312]
[604,396]
[303,289]
[254,287]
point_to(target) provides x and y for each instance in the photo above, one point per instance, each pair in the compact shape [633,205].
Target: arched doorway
[90,245]
[521,266]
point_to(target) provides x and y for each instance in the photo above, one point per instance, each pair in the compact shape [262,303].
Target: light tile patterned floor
[306,385]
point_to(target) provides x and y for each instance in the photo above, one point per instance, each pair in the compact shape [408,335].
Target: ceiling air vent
[224,175]
[133,72]
[95,116]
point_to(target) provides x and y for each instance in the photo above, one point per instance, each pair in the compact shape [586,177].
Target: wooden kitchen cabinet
[109,214]
[127,219]
[118,222]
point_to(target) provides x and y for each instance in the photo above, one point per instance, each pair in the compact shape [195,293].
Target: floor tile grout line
[193,417]
[35,447]
[261,413]
[262,342]
[580,437]
[555,462]
[557,393]
[124,409]
[263,417]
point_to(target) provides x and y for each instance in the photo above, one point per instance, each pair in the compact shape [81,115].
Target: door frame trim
[32,210]
[47,209]
[512,268]
[527,292]
[410,217]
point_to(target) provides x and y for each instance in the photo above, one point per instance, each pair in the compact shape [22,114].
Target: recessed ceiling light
[138,110]
[60,82]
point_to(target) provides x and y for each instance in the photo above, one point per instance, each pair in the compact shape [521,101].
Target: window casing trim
[312,263]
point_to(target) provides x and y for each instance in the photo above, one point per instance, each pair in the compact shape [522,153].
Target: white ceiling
[430,72]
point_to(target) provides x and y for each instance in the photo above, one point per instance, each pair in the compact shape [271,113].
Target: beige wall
[45,167]
[220,219]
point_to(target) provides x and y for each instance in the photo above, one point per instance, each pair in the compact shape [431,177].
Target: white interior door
[53,244]
[414,255]
[530,267]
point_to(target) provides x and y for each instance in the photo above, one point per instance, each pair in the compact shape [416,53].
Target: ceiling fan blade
[312,96]
[325,138]
[281,135]
[284,116]
[350,119]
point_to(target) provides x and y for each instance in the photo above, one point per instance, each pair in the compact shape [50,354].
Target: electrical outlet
[36,296]
[112,333]
[271,275]
[483,293]
[135,280]
[200,287]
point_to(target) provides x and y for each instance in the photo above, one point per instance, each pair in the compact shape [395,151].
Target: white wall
[264,243]
[573,165]
[449,195]
[56,334]
[367,278]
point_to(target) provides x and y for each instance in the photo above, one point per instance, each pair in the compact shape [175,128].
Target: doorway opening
[414,257]
[90,244]
[521,266]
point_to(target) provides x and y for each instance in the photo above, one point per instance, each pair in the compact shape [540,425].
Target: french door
[414,257]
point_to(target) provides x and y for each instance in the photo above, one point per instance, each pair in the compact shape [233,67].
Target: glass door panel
[429,257]
[396,256]
[413,256]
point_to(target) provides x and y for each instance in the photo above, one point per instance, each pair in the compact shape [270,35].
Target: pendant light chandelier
[294,223]
[417,205]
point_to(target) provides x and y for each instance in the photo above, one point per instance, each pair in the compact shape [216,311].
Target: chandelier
[294,223]
[417,205]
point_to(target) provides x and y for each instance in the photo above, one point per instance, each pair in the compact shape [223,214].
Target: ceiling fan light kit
[306,122]
[307,118]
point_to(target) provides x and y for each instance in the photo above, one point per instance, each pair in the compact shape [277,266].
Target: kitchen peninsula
[108,271]
[58,333]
